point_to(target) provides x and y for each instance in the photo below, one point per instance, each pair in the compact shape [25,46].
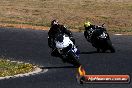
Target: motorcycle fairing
[64,44]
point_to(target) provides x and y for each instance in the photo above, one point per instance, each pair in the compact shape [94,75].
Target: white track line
[118,34]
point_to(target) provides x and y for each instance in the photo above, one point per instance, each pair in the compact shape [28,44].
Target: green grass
[8,68]
[72,13]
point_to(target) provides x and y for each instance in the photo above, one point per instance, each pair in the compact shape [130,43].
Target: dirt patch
[24,26]
[72,13]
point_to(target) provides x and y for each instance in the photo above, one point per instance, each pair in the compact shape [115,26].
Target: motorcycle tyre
[73,59]
[111,48]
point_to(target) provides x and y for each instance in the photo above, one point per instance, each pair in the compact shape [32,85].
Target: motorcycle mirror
[103,24]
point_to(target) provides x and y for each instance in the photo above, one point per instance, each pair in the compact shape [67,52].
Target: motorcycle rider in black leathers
[56,29]
[89,29]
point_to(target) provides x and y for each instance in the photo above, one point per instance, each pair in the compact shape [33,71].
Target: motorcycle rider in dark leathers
[98,37]
[90,28]
[55,30]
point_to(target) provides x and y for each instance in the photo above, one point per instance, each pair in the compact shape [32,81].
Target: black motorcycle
[99,38]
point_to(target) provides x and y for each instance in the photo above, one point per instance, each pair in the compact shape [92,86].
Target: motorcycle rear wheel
[111,48]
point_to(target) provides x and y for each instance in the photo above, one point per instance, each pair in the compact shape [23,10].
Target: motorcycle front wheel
[73,59]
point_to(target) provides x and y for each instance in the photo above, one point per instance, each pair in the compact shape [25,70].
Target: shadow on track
[91,52]
[57,67]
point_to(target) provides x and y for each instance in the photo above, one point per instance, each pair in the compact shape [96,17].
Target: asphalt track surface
[31,46]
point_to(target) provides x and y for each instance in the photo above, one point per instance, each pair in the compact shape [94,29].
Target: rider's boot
[55,53]
[63,58]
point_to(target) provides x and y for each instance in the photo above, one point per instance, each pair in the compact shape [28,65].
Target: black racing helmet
[54,22]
